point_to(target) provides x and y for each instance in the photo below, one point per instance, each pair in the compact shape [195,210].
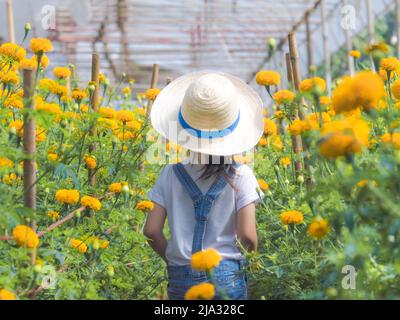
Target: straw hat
[209,112]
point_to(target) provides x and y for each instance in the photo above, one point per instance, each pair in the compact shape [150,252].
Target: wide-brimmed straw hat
[209,112]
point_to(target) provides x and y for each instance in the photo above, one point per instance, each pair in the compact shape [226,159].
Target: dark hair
[221,169]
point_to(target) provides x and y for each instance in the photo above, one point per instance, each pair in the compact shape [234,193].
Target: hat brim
[165,110]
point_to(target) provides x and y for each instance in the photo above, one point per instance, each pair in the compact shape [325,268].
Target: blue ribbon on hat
[208,134]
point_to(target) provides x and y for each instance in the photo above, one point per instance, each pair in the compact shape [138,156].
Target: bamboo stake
[10,17]
[29,146]
[398,28]
[94,104]
[325,42]
[153,84]
[309,43]
[371,28]
[289,69]
[349,45]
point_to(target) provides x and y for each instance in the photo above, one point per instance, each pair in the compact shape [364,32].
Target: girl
[208,199]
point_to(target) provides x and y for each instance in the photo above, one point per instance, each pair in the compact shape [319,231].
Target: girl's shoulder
[243,170]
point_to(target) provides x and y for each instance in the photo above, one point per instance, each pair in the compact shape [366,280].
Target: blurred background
[236,36]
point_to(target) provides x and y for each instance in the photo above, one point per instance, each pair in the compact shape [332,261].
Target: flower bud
[272,43]
[96,244]
[78,214]
[13,130]
[91,87]
[300,179]
[110,271]
[37,268]
[125,189]
[27,27]
[47,190]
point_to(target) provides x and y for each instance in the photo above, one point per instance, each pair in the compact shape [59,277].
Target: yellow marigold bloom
[24,236]
[53,214]
[205,260]
[270,127]
[311,84]
[268,78]
[52,108]
[145,205]
[263,142]
[202,291]
[104,244]
[28,64]
[395,87]
[126,136]
[52,156]
[384,75]
[318,228]
[91,202]
[44,61]
[90,162]
[12,51]
[278,114]
[79,94]
[324,100]
[102,78]
[291,217]
[263,184]
[115,187]
[355,54]
[78,245]
[67,196]
[339,144]
[41,45]
[126,91]
[107,112]
[296,127]
[5,162]
[18,125]
[46,84]
[10,77]
[276,142]
[107,123]
[125,115]
[364,90]
[285,161]
[140,111]
[283,96]
[152,93]
[390,64]
[316,116]
[135,126]
[364,182]
[59,90]
[13,101]
[6,295]
[9,179]
[391,138]
[377,47]
[61,72]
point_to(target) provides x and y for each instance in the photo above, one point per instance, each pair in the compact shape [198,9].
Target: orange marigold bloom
[268,78]
[24,236]
[78,245]
[291,217]
[270,127]
[145,205]
[125,115]
[283,96]
[152,93]
[12,51]
[318,229]
[205,260]
[62,72]
[67,196]
[41,45]
[202,291]
[263,184]
[316,83]
[90,162]
[91,203]
[6,295]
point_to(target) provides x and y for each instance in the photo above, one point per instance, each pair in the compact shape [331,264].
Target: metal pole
[349,45]
[10,16]
[325,42]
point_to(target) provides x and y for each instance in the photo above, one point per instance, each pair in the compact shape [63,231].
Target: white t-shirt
[220,231]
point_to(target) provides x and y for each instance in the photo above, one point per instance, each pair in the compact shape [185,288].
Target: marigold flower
[90,162]
[276,142]
[6,295]
[270,127]
[52,156]
[263,184]
[126,136]
[283,96]
[285,161]
[296,127]
[28,64]
[263,142]
[53,214]
[390,64]
[145,205]
[377,48]
[391,139]
[5,162]
[318,228]
[364,182]
[51,108]
[24,236]
[107,112]
[46,84]
[91,203]
[126,91]
[61,72]
[12,51]
[311,84]
[59,90]
[152,93]
[125,115]
[267,78]
[18,125]
[291,217]
[395,87]
[44,61]
[205,260]
[41,45]
[9,179]
[67,196]
[355,54]
[115,187]
[78,245]
[79,94]
[10,77]
[13,101]
[202,291]
[324,100]
[364,90]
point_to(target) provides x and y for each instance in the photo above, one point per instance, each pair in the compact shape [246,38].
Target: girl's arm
[246,227]
[153,230]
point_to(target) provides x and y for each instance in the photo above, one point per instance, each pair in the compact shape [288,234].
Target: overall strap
[202,203]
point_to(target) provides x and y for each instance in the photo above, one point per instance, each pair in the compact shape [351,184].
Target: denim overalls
[229,275]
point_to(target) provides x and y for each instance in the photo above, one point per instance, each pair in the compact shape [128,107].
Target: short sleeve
[157,192]
[247,188]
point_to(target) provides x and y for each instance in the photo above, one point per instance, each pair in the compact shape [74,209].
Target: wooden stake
[289,72]
[325,43]
[94,104]
[29,141]
[371,28]
[309,42]
[349,46]
[10,17]
[153,84]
